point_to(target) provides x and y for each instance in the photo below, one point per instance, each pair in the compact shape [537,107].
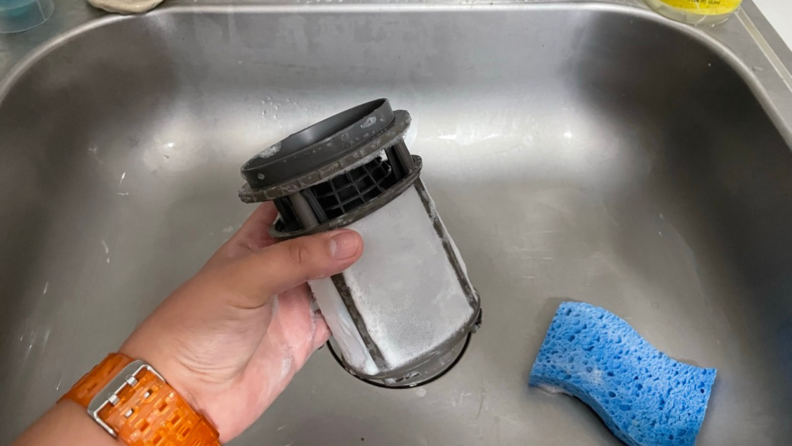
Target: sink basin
[575,151]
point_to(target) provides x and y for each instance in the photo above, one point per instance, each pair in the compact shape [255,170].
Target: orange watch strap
[92,382]
[145,410]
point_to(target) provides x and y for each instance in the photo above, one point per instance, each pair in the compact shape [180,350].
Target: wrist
[133,402]
[66,424]
[75,415]
[175,374]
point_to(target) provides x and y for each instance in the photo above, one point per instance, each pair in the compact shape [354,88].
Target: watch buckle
[109,393]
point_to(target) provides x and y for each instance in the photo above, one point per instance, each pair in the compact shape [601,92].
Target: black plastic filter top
[334,172]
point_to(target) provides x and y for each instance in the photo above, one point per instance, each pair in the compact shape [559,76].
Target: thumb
[285,265]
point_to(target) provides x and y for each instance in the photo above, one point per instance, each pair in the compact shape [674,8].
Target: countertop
[779,14]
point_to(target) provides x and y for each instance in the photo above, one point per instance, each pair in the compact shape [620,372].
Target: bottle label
[705,7]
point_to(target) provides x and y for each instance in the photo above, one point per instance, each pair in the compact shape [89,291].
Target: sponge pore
[643,396]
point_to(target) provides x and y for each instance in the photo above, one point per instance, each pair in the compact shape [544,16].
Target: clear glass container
[696,12]
[22,15]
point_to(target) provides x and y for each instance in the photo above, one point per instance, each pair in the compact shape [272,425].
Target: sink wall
[576,152]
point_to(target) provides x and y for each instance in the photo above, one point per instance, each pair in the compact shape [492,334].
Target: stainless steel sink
[576,151]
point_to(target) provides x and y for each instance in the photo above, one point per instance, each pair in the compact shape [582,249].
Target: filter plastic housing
[402,315]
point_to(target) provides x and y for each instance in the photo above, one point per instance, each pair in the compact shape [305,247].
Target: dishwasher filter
[403,314]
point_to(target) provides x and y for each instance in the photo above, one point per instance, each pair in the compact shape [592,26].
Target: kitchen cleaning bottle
[696,12]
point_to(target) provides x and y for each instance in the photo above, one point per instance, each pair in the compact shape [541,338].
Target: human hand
[231,338]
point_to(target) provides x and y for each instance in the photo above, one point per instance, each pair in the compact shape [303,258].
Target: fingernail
[343,245]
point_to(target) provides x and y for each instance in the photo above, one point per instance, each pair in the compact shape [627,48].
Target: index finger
[252,236]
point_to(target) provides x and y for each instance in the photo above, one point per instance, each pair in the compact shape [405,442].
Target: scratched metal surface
[570,151]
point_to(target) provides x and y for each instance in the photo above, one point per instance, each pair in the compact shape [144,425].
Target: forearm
[220,340]
[66,424]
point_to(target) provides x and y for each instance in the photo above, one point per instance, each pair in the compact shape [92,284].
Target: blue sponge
[643,396]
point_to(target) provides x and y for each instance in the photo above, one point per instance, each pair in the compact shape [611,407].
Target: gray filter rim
[321,151]
[408,384]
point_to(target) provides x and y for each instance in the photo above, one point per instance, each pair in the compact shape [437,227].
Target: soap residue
[371,120]
[432,306]
[269,151]
[553,390]
[342,327]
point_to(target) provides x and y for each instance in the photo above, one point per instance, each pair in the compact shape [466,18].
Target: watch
[134,403]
